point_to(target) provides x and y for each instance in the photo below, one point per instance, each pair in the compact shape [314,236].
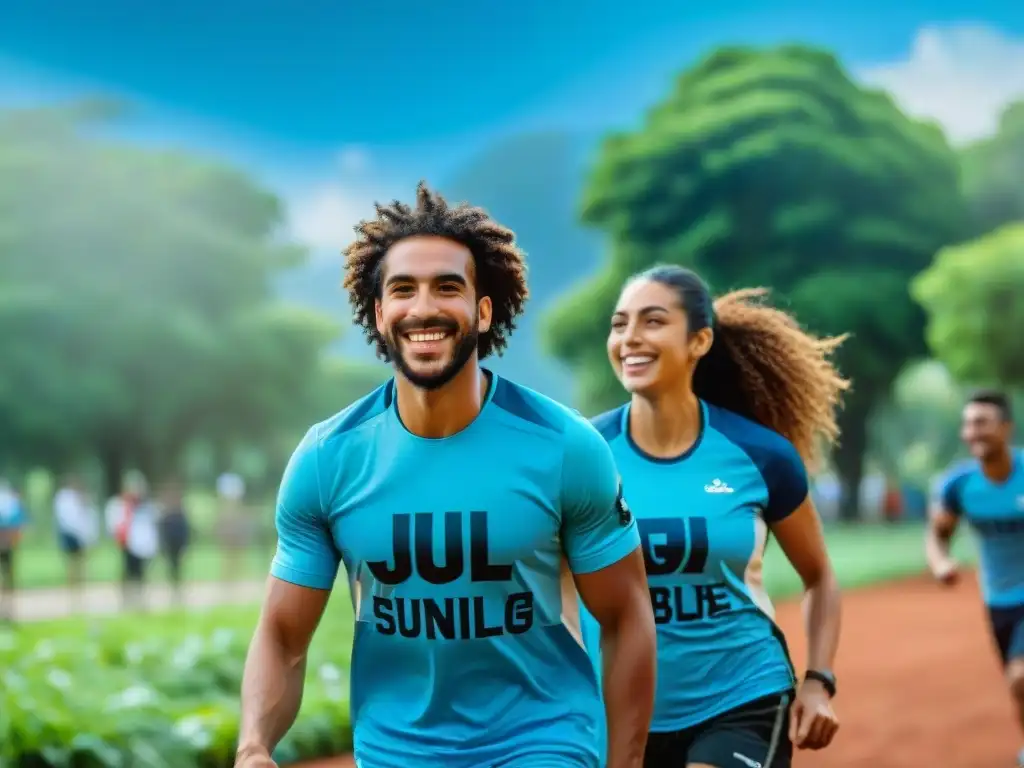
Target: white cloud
[353,159]
[962,76]
[323,217]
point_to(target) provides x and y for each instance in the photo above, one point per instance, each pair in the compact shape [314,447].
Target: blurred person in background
[174,533]
[132,522]
[728,402]
[12,521]
[988,492]
[467,655]
[233,530]
[77,523]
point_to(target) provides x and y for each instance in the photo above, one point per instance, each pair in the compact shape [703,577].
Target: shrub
[155,691]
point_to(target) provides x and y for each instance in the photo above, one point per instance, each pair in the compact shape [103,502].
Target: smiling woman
[729,401]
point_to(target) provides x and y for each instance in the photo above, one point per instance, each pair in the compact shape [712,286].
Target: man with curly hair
[471,515]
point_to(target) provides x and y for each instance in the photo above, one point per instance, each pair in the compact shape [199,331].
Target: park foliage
[158,692]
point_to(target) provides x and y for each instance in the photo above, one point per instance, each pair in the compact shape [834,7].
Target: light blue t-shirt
[703,519]
[468,651]
[995,511]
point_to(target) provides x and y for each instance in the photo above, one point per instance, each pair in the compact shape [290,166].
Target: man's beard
[465,345]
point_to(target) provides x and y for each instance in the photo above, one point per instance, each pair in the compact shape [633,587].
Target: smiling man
[988,492]
[470,514]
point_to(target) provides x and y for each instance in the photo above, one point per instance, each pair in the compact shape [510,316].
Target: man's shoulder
[960,472]
[527,406]
[365,410]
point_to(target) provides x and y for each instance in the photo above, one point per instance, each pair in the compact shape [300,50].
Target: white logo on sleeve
[717,486]
[744,759]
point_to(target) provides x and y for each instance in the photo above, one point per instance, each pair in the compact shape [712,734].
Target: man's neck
[447,410]
[999,466]
[665,426]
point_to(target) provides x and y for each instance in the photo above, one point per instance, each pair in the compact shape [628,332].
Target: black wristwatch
[826,678]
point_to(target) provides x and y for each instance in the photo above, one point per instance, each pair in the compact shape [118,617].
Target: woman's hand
[812,723]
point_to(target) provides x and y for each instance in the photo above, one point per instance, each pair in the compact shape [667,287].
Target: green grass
[862,555]
[43,565]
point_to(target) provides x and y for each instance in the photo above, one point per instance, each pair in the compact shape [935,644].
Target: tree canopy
[772,167]
[136,312]
[992,173]
[972,296]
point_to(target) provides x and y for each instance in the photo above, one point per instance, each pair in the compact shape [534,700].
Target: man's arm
[301,578]
[603,548]
[943,519]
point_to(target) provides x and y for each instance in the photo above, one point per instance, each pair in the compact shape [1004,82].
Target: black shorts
[755,735]
[1008,631]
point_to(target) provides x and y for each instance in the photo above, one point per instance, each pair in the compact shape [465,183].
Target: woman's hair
[761,365]
[498,262]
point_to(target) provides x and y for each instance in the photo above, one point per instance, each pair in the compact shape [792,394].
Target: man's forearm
[936,547]
[629,653]
[271,692]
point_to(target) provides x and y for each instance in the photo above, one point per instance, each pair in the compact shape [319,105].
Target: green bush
[155,691]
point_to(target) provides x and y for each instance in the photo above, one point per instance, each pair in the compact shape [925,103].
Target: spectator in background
[174,533]
[132,521]
[77,529]
[12,520]
[232,525]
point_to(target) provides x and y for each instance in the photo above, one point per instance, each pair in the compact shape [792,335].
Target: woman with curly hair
[729,400]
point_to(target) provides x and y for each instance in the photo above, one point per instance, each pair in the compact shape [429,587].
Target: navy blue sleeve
[785,475]
[949,492]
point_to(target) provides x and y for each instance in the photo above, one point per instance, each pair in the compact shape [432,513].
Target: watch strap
[827,680]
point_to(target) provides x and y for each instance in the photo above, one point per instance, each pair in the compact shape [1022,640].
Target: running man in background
[12,522]
[468,511]
[988,492]
[728,401]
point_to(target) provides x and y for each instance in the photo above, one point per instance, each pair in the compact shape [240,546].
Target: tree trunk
[850,455]
[113,463]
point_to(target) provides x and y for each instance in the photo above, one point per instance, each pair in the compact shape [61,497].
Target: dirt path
[102,599]
[920,684]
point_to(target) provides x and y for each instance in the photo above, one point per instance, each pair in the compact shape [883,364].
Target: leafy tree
[972,296]
[992,173]
[916,433]
[773,168]
[136,310]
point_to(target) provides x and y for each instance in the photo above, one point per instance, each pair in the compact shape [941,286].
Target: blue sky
[333,103]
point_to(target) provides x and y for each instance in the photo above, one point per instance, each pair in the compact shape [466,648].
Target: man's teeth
[427,336]
[637,359]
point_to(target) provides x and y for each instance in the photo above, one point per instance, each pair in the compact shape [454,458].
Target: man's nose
[423,306]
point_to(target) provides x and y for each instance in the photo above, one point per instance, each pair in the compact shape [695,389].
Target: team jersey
[703,520]
[459,551]
[995,511]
